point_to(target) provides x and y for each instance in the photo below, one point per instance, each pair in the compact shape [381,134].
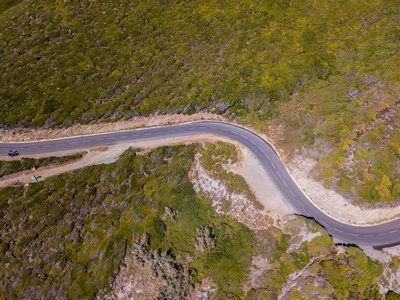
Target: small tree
[204,239]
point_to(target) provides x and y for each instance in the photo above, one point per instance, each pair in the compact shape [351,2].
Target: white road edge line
[177,132]
[323,223]
[354,234]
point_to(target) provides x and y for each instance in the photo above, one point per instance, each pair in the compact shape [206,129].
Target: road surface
[379,236]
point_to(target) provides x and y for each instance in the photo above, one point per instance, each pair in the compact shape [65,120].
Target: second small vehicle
[13,153]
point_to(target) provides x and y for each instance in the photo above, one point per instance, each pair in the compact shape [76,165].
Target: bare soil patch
[329,201]
[23,134]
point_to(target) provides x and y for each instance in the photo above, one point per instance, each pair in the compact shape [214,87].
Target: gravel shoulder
[330,202]
[248,167]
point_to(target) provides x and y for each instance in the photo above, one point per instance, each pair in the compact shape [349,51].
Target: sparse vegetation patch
[14,166]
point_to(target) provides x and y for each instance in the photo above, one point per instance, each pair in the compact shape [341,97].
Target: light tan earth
[248,167]
[132,282]
[22,134]
[329,201]
[259,181]
[93,156]
[275,211]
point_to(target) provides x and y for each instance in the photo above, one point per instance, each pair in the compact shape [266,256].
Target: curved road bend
[377,235]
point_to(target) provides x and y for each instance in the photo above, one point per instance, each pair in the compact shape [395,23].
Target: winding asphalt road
[379,236]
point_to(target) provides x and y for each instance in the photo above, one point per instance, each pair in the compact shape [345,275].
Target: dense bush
[25,163]
[215,156]
[350,275]
[67,236]
[327,71]
[66,62]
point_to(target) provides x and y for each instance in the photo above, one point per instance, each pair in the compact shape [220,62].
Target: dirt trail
[299,167]
[23,134]
[248,167]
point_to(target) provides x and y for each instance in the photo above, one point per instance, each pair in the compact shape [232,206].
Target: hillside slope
[326,71]
[137,228]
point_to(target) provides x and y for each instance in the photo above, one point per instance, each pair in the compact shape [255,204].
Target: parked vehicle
[13,153]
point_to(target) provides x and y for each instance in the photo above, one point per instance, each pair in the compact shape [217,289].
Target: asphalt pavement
[379,236]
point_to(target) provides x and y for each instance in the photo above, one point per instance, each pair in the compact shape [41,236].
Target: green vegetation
[175,279]
[322,74]
[229,261]
[69,62]
[25,163]
[342,278]
[214,156]
[350,275]
[326,71]
[354,277]
[392,296]
[221,153]
[6,4]
[67,236]
[272,243]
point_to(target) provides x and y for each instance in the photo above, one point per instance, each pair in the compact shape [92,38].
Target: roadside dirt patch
[225,201]
[248,166]
[331,202]
[259,181]
[23,134]
[133,282]
[93,156]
